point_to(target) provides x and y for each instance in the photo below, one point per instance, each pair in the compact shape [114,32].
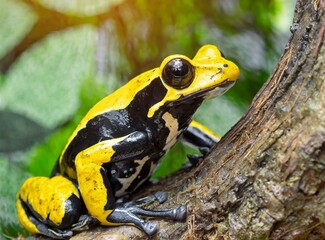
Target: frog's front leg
[128,213]
[97,192]
[200,137]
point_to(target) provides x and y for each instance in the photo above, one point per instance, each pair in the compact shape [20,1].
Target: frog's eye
[178,73]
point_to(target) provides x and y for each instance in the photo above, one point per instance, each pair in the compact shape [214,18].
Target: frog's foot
[53,233]
[129,212]
[84,222]
[194,159]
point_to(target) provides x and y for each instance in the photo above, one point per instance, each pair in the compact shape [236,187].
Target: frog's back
[115,116]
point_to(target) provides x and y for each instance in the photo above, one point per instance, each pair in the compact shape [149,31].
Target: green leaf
[18,132]
[79,7]
[11,178]
[45,82]
[16,19]
[43,156]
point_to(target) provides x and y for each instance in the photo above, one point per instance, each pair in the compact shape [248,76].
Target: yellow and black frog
[118,145]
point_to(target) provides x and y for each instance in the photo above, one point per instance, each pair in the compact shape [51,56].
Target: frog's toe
[180,213]
[83,223]
[150,228]
[204,150]
[161,197]
[131,213]
[53,233]
[193,160]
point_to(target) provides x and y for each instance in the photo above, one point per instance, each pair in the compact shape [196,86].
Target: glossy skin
[119,143]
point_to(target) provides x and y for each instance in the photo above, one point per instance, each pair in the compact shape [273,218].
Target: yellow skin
[45,203]
[204,129]
[212,75]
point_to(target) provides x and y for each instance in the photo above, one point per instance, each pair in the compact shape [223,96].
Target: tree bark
[266,177]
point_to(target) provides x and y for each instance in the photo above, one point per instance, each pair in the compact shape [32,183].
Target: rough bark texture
[265,179]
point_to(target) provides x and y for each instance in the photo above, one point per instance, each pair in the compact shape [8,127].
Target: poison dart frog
[119,143]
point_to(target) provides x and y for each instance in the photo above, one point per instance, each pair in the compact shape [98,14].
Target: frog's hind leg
[35,226]
[49,206]
[198,137]
[129,212]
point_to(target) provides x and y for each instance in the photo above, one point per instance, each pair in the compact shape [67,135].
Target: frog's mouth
[206,93]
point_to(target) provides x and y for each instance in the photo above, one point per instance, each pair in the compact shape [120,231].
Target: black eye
[178,73]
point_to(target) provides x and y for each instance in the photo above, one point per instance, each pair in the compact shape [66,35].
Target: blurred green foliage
[68,66]
[58,59]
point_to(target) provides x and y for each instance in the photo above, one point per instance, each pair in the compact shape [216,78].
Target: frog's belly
[127,176]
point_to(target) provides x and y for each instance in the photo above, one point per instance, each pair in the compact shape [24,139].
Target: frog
[118,145]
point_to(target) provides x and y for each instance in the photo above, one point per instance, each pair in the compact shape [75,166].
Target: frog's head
[188,81]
